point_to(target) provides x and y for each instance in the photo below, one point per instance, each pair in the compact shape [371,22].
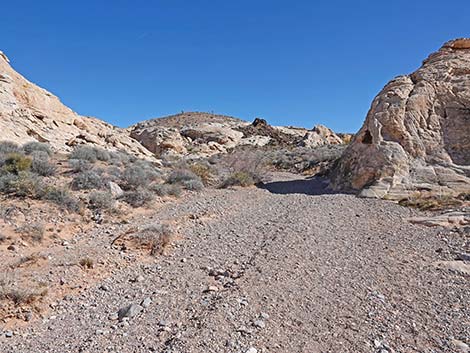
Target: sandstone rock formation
[416,135]
[204,134]
[30,113]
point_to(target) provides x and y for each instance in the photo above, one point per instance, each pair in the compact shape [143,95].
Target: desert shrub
[133,177]
[102,200]
[137,198]
[41,164]
[22,184]
[240,178]
[10,290]
[85,153]
[87,180]
[62,198]
[7,147]
[203,171]
[102,154]
[166,189]
[16,162]
[33,231]
[87,263]
[156,237]
[193,184]
[79,165]
[181,174]
[31,147]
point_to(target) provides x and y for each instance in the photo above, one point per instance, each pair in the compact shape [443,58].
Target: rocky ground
[287,268]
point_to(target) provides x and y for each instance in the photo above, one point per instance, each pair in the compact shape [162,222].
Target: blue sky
[299,62]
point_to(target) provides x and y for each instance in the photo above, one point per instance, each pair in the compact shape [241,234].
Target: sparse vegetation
[41,164]
[16,162]
[156,237]
[32,231]
[87,263]
[79,165]
[87,180]
[19,295]
[102,200]
[31,147]
[137,198]
[203,171]
[23,184]
[240,178]
[427,201]
[166,189]
[7,147]
[62,198]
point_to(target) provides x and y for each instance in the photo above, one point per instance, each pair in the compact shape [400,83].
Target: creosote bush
[79,165]
[16,163]
[87,263]
[23,184]
[240,178]
[7,147]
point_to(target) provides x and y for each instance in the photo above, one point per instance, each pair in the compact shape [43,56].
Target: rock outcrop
[416,135]
[30,113]
[203,134]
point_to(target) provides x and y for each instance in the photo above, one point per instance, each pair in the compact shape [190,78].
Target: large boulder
[416,135]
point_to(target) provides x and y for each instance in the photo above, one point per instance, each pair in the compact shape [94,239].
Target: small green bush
[16,162]
[87,180]
[31,147]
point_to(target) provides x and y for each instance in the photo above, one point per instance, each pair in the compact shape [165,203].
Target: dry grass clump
[87,263]
[90,154]
[166,189]
[31,147]
[32,231]
[63,198]
[186,178]
[19,295]
[203,171]
[156,237]
[41,164]
[87,180]
[426,201]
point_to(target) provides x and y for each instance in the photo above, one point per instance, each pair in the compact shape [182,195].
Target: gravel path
[273,271]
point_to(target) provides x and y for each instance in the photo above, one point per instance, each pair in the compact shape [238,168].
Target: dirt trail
[293,273]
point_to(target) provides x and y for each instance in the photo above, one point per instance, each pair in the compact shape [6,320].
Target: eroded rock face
[30,113]
[417,132]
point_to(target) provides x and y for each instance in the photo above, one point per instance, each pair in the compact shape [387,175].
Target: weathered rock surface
[30,113]
[204,134]
[417,132]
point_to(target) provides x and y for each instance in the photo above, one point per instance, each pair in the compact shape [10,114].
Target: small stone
[211,289]
[129,311]
[8,334]
[183,260]
[146,302]
[104,287]
[463,256]
[251,350]
[259,324]
[461,346]
[162,323]
[264,316]
[139,278]
[113,316]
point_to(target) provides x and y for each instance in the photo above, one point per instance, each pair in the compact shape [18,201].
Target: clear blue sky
[296,62]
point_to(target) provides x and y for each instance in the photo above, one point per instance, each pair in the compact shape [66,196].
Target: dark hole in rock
[367,138]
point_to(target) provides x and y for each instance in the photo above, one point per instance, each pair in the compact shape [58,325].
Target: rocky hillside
[202,134]
[30,113]
[416,135]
